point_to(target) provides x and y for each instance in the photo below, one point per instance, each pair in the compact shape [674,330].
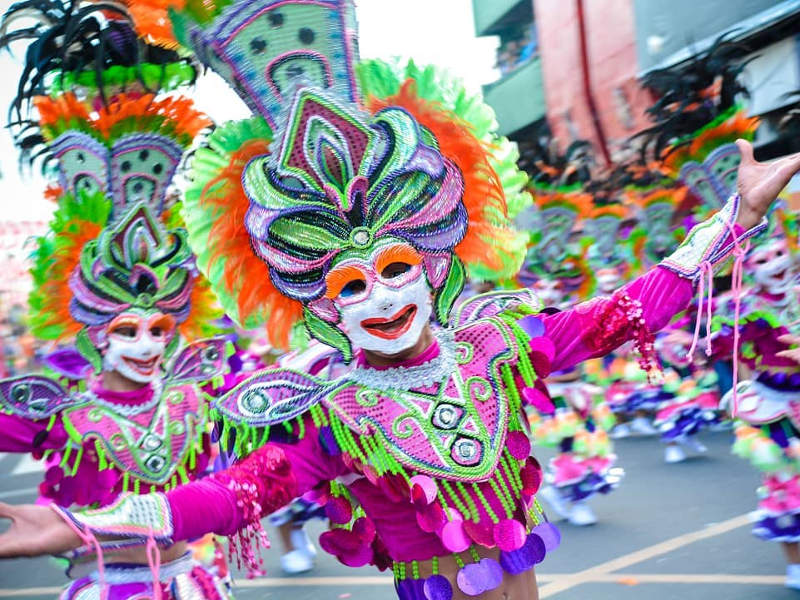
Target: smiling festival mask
[137,343]
[362,220]
[385,300]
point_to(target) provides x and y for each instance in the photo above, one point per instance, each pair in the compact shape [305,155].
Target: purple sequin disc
[550,535]
[532,325]
[492,573]
[437,587]
[470,580]
[519,561]
[411,589]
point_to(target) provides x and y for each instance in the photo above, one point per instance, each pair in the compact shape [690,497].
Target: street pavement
[669,532]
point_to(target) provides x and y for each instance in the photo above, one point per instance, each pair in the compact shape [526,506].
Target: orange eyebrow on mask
[123,321]
[166,322]
[402,253]
[338,277]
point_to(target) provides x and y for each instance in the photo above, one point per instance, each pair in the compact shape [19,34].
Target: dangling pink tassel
[90,540]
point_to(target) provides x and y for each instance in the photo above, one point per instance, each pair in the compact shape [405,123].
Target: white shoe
[581,514]
[556,501]
[674,454]
[302,543]
[620,431]
[693,443]
[643,426]
[295,562]
[793,577]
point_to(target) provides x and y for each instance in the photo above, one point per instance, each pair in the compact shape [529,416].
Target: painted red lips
[143,367]
[392,327]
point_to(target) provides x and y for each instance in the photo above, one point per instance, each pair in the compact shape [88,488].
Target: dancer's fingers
[7,511]
[788,338]
[746,150]
[788,166]
[790,354]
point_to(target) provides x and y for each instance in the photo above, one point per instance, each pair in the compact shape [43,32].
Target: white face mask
[772,267]
[136,345]
[549,291]
[384,312]
[607,280]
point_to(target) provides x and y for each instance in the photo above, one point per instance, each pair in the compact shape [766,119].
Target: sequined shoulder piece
[33,397]
[200,361]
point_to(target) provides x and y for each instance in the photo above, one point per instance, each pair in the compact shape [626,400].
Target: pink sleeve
[596,327]
[26,435]
[265,481]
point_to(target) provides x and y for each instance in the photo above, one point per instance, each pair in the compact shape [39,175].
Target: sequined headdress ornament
[335,177]
[697,120]
[265,49]
[558,191]
[97,118]
[655,199]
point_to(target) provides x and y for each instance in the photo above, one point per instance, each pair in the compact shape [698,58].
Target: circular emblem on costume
[144,300]
[21,393]
[360,237]
[466,451]
[446,416]
[254,401]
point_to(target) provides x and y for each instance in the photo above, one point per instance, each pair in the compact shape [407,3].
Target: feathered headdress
[107,250]
[323,169]
[697,120]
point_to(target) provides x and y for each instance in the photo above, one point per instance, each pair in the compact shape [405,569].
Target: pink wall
[611,49]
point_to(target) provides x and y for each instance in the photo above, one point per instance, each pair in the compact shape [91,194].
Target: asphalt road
[669,532]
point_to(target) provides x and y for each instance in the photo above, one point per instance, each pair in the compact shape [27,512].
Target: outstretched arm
[597,327]
[224,503]
[30,435]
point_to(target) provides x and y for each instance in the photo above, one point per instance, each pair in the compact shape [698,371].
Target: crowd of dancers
[354,306]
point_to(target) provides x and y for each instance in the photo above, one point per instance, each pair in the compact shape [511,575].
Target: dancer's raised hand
[759,183]
[34,531]
[791,353]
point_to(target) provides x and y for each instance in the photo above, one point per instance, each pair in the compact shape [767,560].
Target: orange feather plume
[246,275]
[616,210]
[205,309]
[582,203]
[151,19]
[55,290]
[177,111]
[482,188]
[739,125]
[62,108]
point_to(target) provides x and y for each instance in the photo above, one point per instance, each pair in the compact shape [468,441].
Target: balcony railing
[518,97]
[491,15]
